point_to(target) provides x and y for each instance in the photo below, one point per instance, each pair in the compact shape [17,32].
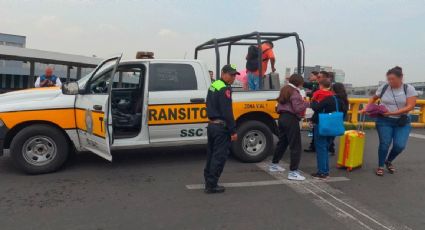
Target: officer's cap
[231,69]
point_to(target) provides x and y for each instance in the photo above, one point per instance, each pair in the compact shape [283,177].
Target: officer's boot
[217,189]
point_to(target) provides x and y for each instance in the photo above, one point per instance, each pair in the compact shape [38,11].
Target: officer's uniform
[221,126]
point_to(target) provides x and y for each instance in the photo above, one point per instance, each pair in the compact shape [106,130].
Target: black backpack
[252,58]
[386,87]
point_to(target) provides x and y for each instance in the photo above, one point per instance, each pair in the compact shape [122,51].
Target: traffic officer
[221,127]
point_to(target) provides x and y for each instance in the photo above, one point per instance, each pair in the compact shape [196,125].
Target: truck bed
[267,95]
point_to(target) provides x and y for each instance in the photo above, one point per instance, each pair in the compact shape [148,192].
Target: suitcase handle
[360,124]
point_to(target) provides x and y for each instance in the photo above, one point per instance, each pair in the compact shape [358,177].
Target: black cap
[231,69]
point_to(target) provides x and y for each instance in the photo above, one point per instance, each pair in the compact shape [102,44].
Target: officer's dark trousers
[289,135]
[218,150]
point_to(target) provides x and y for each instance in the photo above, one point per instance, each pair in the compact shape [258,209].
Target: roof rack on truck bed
[254,38]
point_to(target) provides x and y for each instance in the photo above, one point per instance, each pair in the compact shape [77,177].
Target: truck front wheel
[38,149]
[255,142]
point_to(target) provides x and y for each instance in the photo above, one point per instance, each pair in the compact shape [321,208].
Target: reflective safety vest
[217,85]
[52,78]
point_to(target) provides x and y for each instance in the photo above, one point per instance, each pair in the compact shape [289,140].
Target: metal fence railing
[356,104]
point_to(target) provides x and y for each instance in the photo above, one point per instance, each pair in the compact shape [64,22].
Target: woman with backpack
[265,50]
[336,103]
[394,126]
[252,68]
[291,107]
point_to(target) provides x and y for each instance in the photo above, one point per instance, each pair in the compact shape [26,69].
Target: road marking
[338,209]
[417,135]
[334,202]
[353,208]
[264,183]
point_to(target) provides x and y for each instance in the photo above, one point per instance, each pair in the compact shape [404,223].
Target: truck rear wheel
[38,149]
[255,142]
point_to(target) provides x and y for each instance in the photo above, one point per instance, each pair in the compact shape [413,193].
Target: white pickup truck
[135,104]
[149,103]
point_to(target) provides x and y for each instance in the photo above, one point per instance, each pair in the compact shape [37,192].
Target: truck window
[128,78]
[99,84]
[169,77]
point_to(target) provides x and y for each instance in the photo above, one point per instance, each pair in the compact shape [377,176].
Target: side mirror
[70,88]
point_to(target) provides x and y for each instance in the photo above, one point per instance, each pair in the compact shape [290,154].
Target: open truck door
[92,108]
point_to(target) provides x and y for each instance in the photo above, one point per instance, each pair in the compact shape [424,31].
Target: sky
[362,37]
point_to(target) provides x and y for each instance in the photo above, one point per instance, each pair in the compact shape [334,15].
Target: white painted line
[417,135]
[334,201]
[239,184]
[339,209]
[265,183]
[353,208]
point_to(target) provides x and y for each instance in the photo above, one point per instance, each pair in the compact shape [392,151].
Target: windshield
[83,81]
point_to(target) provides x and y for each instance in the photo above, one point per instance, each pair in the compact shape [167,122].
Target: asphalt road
[148,190]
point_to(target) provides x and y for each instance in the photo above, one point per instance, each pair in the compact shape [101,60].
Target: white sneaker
[275,168]
[295,175]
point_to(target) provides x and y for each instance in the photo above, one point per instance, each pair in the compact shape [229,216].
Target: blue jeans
[389,132]
[322,144]
[253,81]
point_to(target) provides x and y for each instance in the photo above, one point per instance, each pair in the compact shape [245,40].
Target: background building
[19,66]
[12,40]
[284,80]
[308,70]
[15,41]
[339,74]
[287,73]
[366,91]
[326,68]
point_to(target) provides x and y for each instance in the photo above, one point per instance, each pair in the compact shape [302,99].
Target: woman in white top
[394,126]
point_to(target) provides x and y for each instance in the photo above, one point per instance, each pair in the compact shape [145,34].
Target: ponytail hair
[340,92]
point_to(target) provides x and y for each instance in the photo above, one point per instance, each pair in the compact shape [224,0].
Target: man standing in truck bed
[221,127]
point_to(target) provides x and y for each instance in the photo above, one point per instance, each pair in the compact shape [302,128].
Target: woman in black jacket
[322,143]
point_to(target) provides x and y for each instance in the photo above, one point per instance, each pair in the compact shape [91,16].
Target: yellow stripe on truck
[157,115]
[177,114]
[41,88]
[197,113]
[63,118]
[60,117]
[97,118]
[241,108]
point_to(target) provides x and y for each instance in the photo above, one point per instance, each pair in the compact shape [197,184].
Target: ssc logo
[89,121]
